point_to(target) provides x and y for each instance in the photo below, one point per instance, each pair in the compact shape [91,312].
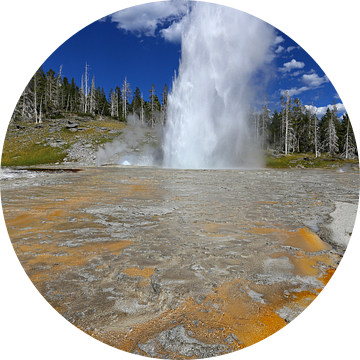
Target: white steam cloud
[222,50]
[137,145]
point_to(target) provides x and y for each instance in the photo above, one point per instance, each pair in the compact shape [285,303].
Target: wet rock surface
[179,263]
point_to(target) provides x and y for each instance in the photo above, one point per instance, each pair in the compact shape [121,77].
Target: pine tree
[136,102]
[265,118]
[27,104]
[50,98]
[142,111]
[75,95]
[331,138]
[119,99]
[313,131]
[257,117]
[82,95]
[104,103]
[152,104]
[36,81]
[298,122]
[113,104]
[92,102]
[65,94]
[164,95]
[349,143]
[275,129]
[290,138]
[25,107]
[58,91]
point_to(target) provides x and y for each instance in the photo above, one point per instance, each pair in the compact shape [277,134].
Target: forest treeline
[49,95]
[295,128]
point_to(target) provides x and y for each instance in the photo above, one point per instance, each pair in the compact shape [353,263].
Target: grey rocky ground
[132,145]
[179,263]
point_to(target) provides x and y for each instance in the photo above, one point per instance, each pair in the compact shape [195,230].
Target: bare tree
[316,135]
[331,138]
[114,104]
[256,119]
[283,111]
[58,88]
[290,138]
[86,90]
[152,103]
[126,93]
[82,95]
[287,121]
[313,130]
[265,118]
[35,97]
[40,112]
[142,111]
[25,106]
[50,84]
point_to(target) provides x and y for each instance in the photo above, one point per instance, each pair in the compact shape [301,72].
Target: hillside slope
[69,140]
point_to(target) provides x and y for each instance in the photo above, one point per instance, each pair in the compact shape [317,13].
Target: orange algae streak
[227,310]
[327,276]
[303,239]
[250,321]
[307,241]
[147,272]
[262,231]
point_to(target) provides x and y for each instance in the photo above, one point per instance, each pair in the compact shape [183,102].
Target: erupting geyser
[223,50]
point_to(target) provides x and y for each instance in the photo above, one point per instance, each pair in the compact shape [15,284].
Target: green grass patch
[34,156]
[308,161]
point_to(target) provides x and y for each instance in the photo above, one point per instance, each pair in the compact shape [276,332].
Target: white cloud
[294,91]
[174,31]
[278,40]
[297,73]
[145,19]
[339,106]
[290,48]
[320,111]
[313,80]
[293,64]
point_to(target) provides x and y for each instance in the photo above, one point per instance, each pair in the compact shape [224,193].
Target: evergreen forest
[295,128]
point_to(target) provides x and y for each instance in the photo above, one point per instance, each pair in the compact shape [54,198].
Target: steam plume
[222,51]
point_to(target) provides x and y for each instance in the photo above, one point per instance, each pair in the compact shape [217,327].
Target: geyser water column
[207,126]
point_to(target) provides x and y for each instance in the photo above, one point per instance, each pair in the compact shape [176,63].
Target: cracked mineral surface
[179,263]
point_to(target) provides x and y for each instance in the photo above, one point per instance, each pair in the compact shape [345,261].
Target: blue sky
[143,43]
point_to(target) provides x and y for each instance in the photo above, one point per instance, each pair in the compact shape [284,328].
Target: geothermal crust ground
[179,263]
